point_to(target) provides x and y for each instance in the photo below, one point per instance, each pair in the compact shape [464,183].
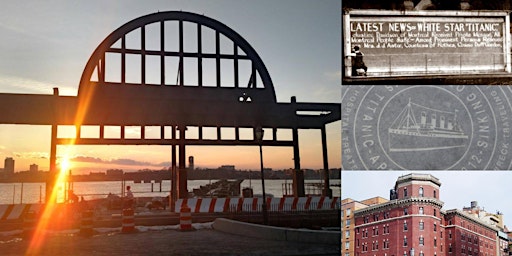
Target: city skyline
[490,190]
[51,48]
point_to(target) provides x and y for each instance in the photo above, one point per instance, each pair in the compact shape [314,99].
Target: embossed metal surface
[426,127]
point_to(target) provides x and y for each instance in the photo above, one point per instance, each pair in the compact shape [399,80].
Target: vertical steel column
[298,174]
[162,55]
[235,64]
[182,171]
[217,56]
[199,56]
[123,59]
[143,55]
[180,65]
[327,190]
[50,180]
[174,180]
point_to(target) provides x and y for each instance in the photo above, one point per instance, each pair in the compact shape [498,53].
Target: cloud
[87,159]
[15,84]
[31,155]
[118,161]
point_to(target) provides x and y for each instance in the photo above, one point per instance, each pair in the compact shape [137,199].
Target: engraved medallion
[426,127]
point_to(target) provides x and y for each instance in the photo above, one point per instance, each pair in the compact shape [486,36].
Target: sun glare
[65,164]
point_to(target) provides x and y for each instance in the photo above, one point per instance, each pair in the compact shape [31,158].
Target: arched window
[421,192]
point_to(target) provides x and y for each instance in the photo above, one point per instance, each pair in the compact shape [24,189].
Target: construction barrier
[86,227]
[128,221]
[185,219]
[17,211]
[253,204]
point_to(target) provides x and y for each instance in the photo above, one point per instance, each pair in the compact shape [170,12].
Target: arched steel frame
[102,103]
[97,59]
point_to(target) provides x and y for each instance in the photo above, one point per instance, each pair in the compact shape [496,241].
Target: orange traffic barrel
[128,221]
[185,219]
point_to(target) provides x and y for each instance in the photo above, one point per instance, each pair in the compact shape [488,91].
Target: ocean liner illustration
[420,128]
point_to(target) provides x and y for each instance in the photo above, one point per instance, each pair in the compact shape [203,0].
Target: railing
[294,218]
[310,188]
[434,63]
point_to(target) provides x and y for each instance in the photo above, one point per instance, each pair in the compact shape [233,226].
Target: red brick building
[412,223]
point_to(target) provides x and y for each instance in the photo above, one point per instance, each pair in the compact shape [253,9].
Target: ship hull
[406,141]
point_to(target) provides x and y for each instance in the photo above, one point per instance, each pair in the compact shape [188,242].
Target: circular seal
[426,127]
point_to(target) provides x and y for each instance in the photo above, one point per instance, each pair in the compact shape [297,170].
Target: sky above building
[491,189]
[46,44]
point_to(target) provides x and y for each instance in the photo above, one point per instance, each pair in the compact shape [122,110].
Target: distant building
[227,167]
[412,223]
[191,162]
[34,168]
[493,219]
[114,172]
[9,165]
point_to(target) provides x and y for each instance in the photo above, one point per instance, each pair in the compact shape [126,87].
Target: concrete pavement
[163,240]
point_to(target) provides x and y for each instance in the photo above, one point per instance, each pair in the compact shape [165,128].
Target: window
[421,254]
[435,194]
[450,248]
[450,234]
[422,226]
[405,192]
[347,222]
[421,210]
[421,192]
[405,211]
[435,212]
[405,225]
[435,242]
[347,211]
[422,241]
[347,245]
[405,241]
[347,233]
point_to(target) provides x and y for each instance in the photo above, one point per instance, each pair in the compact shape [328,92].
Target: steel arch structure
[104,101]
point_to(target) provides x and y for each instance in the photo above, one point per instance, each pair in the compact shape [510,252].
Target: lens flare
[65,165]
[50,215]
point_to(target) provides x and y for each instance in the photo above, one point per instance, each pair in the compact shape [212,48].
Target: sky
[46,44]
[491,189]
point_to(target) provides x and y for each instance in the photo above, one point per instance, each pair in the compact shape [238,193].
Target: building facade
[412,223]
[348,207]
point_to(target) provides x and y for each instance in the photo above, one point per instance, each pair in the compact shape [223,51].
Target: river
[35,192]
